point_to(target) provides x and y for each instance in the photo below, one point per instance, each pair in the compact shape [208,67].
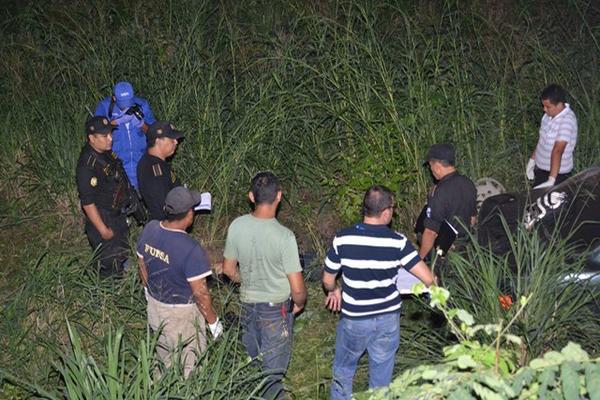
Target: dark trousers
[541,176]
[111,253]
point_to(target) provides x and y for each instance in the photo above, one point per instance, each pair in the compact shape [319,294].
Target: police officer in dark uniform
[452,200]
[155,177]
[101,182]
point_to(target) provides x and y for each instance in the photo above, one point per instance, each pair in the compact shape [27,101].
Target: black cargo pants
[111,254]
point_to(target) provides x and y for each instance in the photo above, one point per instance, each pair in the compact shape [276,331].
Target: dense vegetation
[330,95]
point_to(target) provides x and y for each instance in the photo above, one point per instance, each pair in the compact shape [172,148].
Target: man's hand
[136,123]
[297,291]
[530,168]
[123,119]
[334,300]
[296,309]
[107,233]
[231,269]
[547,184]
[91,211]
[216,328]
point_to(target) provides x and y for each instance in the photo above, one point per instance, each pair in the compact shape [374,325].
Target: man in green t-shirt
[272,289]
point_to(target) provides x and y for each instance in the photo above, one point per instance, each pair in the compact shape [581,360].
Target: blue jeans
[379,336]
[267,331]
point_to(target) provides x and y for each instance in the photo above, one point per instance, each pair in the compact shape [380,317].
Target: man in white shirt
[552,159]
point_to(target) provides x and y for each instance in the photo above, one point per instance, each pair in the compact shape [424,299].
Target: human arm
[297,291]
[334,294]
[203,299]
[149,118]
[438,210]
[143,271]
[333,265]
[421,271]
[555,160]
[92,213]
[102,108]
[230,254]
[427,241]
[197,269]
[556,157]
[530,170]
[231,269]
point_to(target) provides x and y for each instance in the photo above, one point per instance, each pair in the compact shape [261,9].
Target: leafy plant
[475,370]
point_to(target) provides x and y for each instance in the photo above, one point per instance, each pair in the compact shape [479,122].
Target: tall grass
[561,309]
[331,96]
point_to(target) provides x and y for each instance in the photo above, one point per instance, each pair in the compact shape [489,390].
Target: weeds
[331,96]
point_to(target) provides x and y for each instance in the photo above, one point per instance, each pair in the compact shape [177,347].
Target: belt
[270,303]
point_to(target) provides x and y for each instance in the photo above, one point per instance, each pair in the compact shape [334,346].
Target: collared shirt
[98,177]
[173,259]
[562,127]
[453,199]
[155,180]
[369,257]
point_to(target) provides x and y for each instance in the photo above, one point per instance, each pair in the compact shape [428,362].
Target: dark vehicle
[570,209]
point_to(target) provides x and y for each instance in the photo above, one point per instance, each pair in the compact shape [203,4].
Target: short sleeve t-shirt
[453,200]
[267,252]
[173,259]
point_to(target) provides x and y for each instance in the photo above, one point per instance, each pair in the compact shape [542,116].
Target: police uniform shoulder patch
[157,170]
[94,181]
[91,161]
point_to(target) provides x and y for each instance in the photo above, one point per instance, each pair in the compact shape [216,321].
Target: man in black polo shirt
[155,177]
[452,200]
[100,177]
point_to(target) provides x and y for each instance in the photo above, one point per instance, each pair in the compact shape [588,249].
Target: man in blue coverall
[131,115]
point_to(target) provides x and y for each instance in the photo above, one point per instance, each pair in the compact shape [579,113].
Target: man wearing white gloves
[173,268]
[552,159]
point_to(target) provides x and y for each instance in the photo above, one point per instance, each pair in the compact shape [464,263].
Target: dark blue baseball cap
[123,92]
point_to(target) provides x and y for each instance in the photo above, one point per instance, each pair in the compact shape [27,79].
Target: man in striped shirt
[552,159]
[368,255]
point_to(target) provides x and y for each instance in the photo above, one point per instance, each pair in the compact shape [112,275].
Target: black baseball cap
[161,129]
[98,126]
[441,152]
[181,199]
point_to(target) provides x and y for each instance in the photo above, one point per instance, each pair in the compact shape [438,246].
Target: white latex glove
[216,328]
[530,168]
[547,184]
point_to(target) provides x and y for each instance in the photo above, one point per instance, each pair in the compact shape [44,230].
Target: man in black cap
[174,268]
[100,179]
[155,177]
[452,200]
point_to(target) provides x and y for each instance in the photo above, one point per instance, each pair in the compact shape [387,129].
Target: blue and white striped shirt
[369,257]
